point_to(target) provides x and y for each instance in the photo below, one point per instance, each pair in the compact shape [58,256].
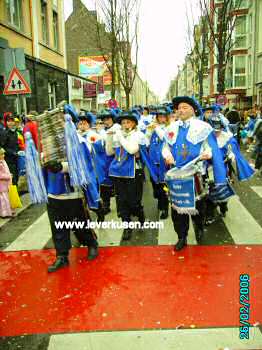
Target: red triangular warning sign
[16,84]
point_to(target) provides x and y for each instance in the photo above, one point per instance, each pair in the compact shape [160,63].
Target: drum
[51,131]
[220,193]
[185,187]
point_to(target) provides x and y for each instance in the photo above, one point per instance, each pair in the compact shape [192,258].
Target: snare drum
[192,171]
[185,188]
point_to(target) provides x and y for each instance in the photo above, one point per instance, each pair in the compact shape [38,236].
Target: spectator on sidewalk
[5,182]
[11,147]
[233,116]
[31,126]
[2,130]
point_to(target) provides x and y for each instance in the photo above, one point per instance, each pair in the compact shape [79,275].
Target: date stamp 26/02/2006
[244,310]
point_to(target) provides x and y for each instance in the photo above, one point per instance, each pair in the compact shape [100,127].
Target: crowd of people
[12,158]
[192,155]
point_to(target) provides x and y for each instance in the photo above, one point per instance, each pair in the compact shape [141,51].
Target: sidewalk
[25,199]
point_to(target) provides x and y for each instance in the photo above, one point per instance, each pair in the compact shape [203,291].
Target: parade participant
[155,134]
[145,120]
[59,181]
[212,110]
[85,124]
[5,182]
[65,204]
[188,140]
[258,144]
[108,117]
[126,169]
[231,154]
[85,131]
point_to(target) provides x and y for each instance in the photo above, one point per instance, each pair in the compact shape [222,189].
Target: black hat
[216,122]
[162,111]
[127,115]
[189,100]
[107,113]
[88,116]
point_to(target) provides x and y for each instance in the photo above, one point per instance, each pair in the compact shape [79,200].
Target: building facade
[243,86]
[38,28]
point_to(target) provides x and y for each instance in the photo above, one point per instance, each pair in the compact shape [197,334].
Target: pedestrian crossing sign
[16,84]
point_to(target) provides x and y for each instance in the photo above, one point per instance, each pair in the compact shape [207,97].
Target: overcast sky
[162,44]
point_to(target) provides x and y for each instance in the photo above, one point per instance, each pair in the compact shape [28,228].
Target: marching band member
[231,155]
[126,169]
[87,133]
[65,203]
[108,117]
[155,133]
[190,139]
[212,110]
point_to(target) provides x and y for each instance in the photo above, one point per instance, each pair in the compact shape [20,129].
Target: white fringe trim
[189,211]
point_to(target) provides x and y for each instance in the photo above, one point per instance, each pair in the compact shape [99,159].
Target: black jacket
[10,143]
[233,117]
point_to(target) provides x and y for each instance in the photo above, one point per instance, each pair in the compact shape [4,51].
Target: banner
[92,67]
[182,194]
[89,90]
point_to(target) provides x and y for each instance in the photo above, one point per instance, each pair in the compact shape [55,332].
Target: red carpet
[127,288]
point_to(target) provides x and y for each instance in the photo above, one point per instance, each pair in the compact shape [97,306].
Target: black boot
[92,253]
[127,234]
[61,261]
[164,214]
[223,209]
[181,243]
[100,215]
[141,217]
[107,210]
[199,234]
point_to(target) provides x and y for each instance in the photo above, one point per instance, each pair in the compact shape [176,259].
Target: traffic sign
[16,84]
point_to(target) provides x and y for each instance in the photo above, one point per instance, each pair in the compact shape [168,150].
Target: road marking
[258,190]
[179,339]
[168,236]
[243,228]
[34,237]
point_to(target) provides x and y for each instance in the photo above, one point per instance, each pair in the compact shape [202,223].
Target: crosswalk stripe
[34,237]
[109,237]
[258,190]
[242,226]
[179,339]
[168,236]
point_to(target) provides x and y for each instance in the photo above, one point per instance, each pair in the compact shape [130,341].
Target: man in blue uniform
[187,140]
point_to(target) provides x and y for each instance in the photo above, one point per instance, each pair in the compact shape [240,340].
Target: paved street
[27,239]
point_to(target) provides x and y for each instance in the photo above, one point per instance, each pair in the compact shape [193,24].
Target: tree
[108,32]
[120,18]
[128,44]
[198,47]
[221,21]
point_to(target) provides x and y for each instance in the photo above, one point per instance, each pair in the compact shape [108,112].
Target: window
[249,71]
[14,13]
[250,28]
[240,4]
[229,74]
[52,95]
[241,32]
[44,21]
[240,71]
[55,30]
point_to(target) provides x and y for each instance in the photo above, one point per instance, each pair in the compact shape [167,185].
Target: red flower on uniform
[171,134]
[92,139]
